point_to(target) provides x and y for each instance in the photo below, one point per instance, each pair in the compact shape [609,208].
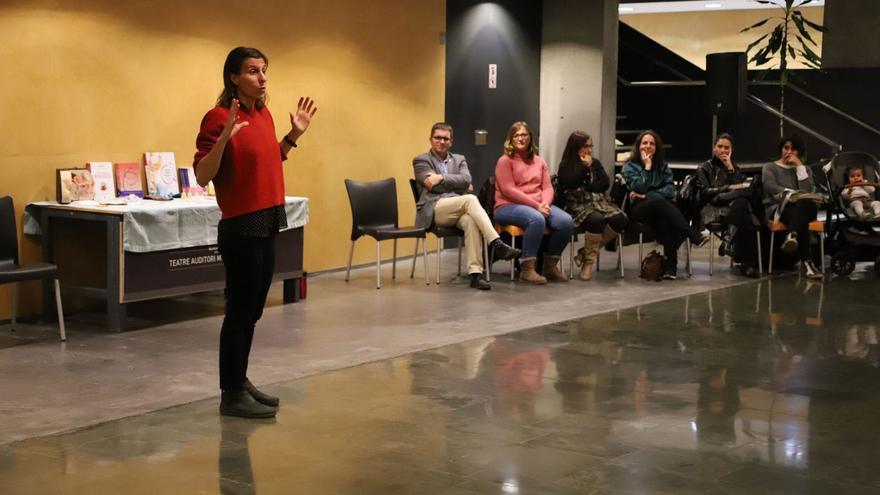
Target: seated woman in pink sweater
[524,197]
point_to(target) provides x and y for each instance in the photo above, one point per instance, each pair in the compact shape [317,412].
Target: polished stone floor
[768,387]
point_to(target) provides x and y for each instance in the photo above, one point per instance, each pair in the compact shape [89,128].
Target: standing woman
[238,150]
[649,181]
[584,182]
[781,179]
[524,197]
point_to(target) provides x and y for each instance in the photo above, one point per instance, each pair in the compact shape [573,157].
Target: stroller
[851,239]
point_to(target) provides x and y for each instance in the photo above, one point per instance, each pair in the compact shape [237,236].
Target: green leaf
[775,42]
[817,27]
[811,55]
[754,43]
[799,22]
[757,24]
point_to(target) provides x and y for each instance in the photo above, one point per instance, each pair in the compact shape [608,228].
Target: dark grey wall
[506,33]
[851,40]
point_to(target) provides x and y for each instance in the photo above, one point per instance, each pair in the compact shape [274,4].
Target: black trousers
[595,223]
[797,217]
[744,240]
[249,264]
[670,226]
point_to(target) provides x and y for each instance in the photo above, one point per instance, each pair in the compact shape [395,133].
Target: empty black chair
[374,214]
[11,272]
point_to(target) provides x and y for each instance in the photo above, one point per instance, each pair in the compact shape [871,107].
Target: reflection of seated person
[717,404]
[518,375]
[858,342]
[858,195]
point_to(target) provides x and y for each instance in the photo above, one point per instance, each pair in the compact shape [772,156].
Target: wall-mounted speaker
[726,83]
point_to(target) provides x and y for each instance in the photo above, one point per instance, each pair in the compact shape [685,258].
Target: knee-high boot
[591,251]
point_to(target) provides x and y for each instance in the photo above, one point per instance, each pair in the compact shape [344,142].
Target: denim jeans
[534,223]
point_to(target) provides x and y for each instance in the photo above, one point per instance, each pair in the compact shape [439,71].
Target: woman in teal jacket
[649,181]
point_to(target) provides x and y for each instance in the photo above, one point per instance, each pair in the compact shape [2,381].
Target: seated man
[444,200]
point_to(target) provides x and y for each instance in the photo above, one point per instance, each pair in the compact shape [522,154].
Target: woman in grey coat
[782,181]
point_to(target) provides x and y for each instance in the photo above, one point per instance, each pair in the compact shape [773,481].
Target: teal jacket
[654,182]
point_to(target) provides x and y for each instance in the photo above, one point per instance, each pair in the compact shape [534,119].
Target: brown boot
[591,248]
[607,236]
[552,271]
[528,273]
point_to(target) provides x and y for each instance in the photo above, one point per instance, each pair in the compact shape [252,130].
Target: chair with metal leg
[442,233]
[816,227]
[11,272]
[374,214]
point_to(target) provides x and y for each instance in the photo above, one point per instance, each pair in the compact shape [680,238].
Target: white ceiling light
[699,6]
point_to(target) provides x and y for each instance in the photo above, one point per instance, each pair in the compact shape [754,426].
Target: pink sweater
[522,181]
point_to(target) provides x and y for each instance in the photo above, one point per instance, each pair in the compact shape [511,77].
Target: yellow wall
[694,34]
[106,80]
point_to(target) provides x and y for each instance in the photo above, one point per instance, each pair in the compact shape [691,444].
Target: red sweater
[522,182]
[250,177]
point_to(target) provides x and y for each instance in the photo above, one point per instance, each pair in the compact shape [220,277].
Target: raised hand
[300,120]
[232,126]
[647,159]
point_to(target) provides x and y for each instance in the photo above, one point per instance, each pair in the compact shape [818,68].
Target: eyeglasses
[588,146]
[441,138]
[520,136]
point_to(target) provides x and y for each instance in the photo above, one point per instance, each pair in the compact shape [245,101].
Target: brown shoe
[591,252]
[552,271]
[528,273]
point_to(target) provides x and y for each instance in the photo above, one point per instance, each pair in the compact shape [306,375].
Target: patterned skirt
[580,204]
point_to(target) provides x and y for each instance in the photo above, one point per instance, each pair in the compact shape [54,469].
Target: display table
[159,249]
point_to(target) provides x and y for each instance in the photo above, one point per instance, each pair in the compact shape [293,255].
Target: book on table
[128,179]
[74,184]
[102,173]
[161,173]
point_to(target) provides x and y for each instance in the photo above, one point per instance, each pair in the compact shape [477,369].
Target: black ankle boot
[240,404]
[504,252]
[261,397]
[480,282]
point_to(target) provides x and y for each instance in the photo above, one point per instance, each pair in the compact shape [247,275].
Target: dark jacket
[590,179]
[713,178]
[654,182]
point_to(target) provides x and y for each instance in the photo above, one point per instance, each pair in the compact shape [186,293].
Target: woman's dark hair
[797,143]
[233,64]
[571,156]
[659,155]
[721,136]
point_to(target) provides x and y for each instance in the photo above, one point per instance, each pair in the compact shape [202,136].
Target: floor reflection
[769,387]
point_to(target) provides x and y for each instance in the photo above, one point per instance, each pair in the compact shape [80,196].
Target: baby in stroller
[858,194]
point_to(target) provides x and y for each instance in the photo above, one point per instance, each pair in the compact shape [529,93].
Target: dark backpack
[652,267]
[487,195]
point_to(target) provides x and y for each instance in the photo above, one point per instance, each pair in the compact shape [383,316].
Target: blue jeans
[534,223]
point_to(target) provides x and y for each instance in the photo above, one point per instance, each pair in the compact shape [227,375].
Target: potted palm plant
[786,41]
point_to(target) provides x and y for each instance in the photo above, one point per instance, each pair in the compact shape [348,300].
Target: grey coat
[776,180]
[455,183]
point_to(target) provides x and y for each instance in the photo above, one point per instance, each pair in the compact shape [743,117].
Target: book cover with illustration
[102,173]
[128,179]
[161,172]
[189,186]
[74,184]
